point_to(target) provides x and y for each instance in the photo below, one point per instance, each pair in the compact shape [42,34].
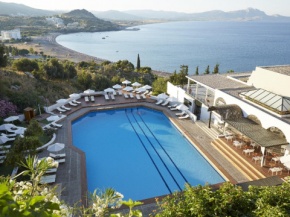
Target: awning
[232,114]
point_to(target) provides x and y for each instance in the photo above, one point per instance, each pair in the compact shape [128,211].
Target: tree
[33,129]
[216,69]
[228,200]
[138,63]
[3,56]
[159,85]
[207,70]
[25,65]
[196,71]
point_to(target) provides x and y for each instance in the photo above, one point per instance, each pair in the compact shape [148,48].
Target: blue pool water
[139,153]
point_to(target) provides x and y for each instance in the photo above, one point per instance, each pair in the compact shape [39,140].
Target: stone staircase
[211,132]
[237,160]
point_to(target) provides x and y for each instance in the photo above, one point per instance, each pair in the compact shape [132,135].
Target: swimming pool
[138,152]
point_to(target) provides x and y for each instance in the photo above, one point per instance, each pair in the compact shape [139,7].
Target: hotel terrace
[249,109]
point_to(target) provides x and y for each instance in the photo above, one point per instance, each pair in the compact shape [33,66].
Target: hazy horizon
[280,7]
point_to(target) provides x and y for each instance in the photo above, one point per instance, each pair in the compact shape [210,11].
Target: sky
[270,7]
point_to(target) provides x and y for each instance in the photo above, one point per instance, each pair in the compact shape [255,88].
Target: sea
[237,46]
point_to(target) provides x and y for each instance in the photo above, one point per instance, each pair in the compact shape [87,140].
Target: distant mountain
[249,14]
[13,9]
[116,15]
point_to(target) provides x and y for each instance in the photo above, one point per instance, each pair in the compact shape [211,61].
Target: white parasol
[147,87]
[74,95]
[55,147]
[61,101]
[89,91]
[11,119]
[162,96]
[4,139]
[117,86]
[136,84]
[182,107]
[109,90]
[126,82]
[141,89]
[128,88]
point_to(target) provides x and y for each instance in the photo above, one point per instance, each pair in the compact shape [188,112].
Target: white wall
[176,92]
[267,120]
[271,81]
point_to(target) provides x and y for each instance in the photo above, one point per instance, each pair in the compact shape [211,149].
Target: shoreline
[48,45]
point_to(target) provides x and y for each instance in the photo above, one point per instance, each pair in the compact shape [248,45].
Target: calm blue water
[238,46]
[139,153]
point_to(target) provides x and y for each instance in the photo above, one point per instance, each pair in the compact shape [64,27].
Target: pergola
[233,115]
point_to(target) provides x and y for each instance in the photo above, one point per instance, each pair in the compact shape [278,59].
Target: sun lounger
[60,109]
[8,134]
[173,106]
[4,151]
[48,179]
[165,103]
[56,156]
[143,96]
[126,96]
[180,113]
[131,95]
[114,93]
[72,104]
[5,147]
[138,96]
[159,102]
[60,160]
[120,92]
[87,99]
[149,93]
[106,97]
[66,108]
[56,125]
[184,117]
[92,99]
[51,170]
[2,159]
[48,127]
[112,97]
[76,102]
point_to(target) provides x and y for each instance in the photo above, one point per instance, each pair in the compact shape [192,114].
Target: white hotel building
[11,34]
[256,104]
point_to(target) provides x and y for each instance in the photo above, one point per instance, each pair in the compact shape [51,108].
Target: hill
[249,14]
[13,9]
[86,21]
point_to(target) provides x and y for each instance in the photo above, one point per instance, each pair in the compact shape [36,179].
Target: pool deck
[71,175]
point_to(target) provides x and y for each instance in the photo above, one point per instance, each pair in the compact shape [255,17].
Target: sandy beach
[48,45]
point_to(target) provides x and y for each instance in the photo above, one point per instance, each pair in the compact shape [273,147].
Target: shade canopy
[52,118]
[117,86]
[7,127]
[136,84]
[126,82]
[109,90]
[11,118]
[74,95]
[55,147]
[89,91]
[128,88]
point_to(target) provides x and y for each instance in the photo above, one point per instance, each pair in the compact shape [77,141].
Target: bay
[238,46]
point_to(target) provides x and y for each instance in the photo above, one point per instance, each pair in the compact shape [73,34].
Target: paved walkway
[71,175]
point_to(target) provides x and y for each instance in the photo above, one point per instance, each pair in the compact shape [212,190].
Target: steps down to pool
[237,160]
[211,132]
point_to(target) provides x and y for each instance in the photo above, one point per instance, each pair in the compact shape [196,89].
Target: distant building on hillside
[11,34]
[58,22]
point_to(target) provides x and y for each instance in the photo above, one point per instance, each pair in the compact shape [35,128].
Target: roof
[232,114]
[217,81]
[271,100]
[284,69]
[269,181]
